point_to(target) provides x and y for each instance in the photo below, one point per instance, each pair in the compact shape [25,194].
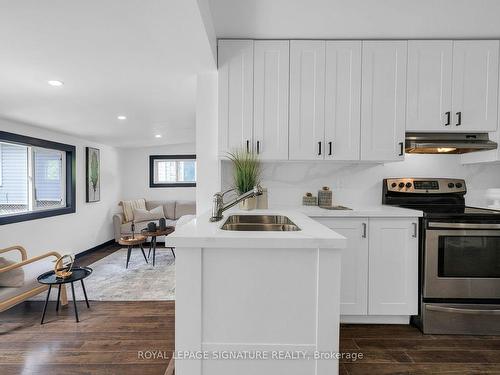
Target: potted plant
[246,175]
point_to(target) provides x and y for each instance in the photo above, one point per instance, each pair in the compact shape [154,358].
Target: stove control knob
[401,185]
[451,185]
[408,185]
[394,184]
[459,185]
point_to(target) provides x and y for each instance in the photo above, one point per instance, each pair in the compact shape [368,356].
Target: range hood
[447,143]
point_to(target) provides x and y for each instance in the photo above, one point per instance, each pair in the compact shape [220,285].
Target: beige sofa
[172,211]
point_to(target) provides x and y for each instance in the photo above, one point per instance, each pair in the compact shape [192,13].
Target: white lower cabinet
[393,267]
[379,274]
[354,271]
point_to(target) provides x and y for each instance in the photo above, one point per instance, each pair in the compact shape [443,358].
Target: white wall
[206,141]
[361,19]
[134,173]
[90,225]
[356,184]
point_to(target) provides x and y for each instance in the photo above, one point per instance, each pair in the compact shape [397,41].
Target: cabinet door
[475,85]
[354,275]
[342,100]
[393,267]
[430,72]
[383,100]
[271,79]
[307,100]
[235,60]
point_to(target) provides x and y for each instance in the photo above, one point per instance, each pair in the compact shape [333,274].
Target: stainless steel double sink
[265,223]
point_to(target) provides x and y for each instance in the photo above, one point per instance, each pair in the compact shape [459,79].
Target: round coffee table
[50,279]
[130,242]
[153,235]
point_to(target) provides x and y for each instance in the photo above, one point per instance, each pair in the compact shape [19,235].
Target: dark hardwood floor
[111,336]
[401,349]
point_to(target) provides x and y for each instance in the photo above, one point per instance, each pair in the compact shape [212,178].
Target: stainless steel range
[459,256]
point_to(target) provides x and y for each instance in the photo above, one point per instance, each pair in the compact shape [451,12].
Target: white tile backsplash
[360,184]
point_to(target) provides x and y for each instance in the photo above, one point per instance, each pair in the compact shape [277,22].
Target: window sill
[34,215]
[181,184]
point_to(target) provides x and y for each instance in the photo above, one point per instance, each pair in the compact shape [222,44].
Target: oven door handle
[463,225]
[457,310]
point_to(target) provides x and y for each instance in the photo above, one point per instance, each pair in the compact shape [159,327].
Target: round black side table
[50,279]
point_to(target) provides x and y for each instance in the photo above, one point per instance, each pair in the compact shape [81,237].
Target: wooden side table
[154,235]
[130,242]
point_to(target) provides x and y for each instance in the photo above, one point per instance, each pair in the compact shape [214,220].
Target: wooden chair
[37,289]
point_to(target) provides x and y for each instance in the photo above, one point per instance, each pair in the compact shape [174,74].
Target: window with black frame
[172,171]
[37,178]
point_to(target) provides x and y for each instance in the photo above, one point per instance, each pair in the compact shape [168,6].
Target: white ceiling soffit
[116,57]
[351,19]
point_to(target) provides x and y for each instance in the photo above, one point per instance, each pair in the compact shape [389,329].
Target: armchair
[10,297]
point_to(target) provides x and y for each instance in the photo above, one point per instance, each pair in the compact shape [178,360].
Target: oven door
[462,260]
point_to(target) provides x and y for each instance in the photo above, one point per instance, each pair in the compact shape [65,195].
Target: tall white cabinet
[342,100]
[452,85]
[383,97]
[270,117]
[235,64]
[307,100]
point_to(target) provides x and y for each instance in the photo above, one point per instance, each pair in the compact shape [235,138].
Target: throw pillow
[129,206]
[13,278]
[145,215]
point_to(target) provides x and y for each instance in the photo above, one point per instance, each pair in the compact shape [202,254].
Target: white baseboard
[375,319]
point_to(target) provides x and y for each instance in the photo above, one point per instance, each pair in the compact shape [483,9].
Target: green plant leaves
[246,169]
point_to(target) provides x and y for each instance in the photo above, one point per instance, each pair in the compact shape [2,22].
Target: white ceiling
[351,19]
[130,57]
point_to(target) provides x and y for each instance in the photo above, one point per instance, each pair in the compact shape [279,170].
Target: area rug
[111,281]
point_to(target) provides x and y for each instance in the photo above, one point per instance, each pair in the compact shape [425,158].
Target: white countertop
[200,232]
[367,211]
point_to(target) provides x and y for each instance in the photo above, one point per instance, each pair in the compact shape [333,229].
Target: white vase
[249,204]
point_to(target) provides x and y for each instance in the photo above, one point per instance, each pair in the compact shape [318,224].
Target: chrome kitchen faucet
[218,201]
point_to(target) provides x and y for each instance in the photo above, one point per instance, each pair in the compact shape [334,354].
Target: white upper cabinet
[235,64]
[383,100]
[430,70]
[393,267]
[342,100]
[307,100]
[352,100]
[475,85]
[452,85]
[271,77]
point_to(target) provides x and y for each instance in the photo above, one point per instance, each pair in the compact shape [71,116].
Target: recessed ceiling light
[121,117]
[158,136]
[55,83]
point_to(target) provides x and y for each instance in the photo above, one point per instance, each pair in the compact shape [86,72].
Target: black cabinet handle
[448,118]
[459,118]
[319,148]
[401,151]
[248,146]
[258,147]
[330,148]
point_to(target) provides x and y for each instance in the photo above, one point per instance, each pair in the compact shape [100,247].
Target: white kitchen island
[251,294]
